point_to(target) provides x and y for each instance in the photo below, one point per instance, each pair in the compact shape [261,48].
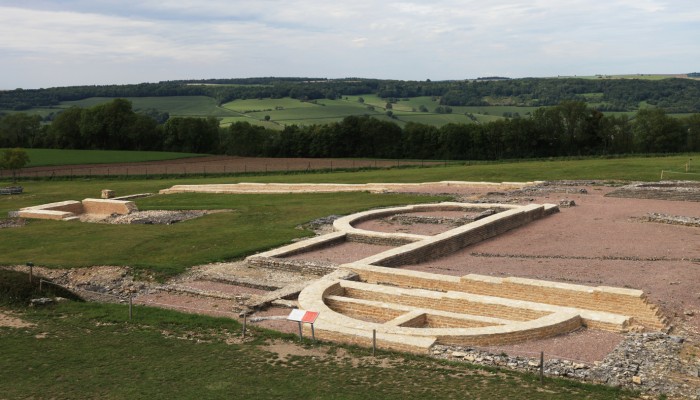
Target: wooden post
[374,341]
[541,367]
[313,334]
[31,271]
[245,323]
[300,336]
[41,281]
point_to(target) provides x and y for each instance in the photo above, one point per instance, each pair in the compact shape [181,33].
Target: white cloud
[132,41]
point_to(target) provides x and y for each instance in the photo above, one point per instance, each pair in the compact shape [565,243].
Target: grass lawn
[44,157]
[253,223]
[88,350]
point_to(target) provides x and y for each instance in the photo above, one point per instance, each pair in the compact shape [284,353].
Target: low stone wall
[458,238]
[108,206]
[306,267]
[630,302]
[70,209]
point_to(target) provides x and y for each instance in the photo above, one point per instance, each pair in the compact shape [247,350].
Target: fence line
[491,350]
[207,169]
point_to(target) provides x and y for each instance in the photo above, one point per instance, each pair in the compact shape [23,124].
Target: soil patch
[10,321]
[12,222]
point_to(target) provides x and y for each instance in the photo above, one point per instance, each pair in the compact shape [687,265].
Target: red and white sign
[303,316]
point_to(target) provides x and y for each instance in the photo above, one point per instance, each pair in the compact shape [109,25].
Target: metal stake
[245,322]
[541,367]
[300,336]
[131,305]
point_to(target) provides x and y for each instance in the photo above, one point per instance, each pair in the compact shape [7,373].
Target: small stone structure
[71,209]
[413,311]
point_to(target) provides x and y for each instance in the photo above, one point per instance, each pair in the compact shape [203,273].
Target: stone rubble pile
[673,219]
[648,362]
[155,217]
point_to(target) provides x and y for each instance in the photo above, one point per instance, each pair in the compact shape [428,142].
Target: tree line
[569,129]
[673,95]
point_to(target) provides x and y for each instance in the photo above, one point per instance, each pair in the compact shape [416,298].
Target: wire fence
[213,168]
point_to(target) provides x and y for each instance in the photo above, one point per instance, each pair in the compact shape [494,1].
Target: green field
[253,223]
[179,106]
[45,157]
[90,351]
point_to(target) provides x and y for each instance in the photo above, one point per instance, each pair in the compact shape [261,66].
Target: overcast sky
[77,42]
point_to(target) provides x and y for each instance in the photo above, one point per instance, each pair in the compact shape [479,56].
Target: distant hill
[674,95]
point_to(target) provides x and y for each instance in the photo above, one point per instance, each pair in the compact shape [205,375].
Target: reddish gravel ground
[394,227]
[191,304]
[342,253]
[600,241]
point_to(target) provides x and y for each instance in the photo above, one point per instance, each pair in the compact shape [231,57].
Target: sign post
[301,316]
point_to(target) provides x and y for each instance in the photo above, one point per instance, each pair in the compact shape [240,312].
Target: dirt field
[211,165]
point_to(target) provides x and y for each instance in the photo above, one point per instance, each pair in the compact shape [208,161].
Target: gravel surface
[600,241]
[342,253]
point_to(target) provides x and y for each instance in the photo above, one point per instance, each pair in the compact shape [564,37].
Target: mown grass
[45,157]
[87,350]
[255,222]
[252,223]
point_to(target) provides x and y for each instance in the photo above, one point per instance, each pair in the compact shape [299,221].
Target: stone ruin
[414,311]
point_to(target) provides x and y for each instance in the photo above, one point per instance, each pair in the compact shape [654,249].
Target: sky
[91,42]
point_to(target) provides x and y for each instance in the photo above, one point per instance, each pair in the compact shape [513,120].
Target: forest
[571,128]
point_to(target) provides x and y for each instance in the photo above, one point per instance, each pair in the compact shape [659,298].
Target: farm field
[54,157]
[623,168]
[288,111]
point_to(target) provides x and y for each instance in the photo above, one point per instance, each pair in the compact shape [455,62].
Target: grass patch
[91,351]
[46,157]
[255,223]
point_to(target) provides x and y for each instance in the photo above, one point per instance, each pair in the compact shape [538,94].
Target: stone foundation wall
[456,239]
[108,206]
[306,267]
[602,299]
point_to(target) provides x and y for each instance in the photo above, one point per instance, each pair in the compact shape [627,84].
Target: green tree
[656,132]
[20,129]
[14,159]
